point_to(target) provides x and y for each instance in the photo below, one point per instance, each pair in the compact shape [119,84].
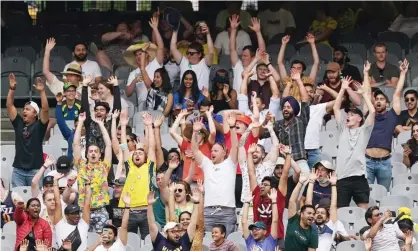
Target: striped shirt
[387,238]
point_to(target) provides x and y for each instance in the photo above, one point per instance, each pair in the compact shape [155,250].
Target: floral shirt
[262,170]
[97,173]
[294,89]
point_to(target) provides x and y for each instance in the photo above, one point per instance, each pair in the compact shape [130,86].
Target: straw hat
[74,69]
[129,54]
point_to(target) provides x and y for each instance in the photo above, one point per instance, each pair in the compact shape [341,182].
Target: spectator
[354,137]
[340,55]
[113,238]
[297,67]
[410,115]
[113,209]
[132,142]
[233,8]
[384,236]
[325,218]
[205,106]
[73,227]
[29,225]
[276,20]
[259,237]
[378,158]
[115,42]
[96,168]
[172,69]
[383,72]
[89,68]
[159,206]
[146,58]
[219,240]
[64,166]
[8,203]
[174,238]
[195,59]
[30,129]
[292,180]
[66,131]
[247,61]
[160,94]
[242,38]
[410,154]
[324,25]
[219,177]
[72,73]
[140,166]
[188,96]
[70,107]
[109,92]
[300,234]
[322,186]
[169,22]
[406,21]
[47,181]
[222,95]
[137,33]
[48,212]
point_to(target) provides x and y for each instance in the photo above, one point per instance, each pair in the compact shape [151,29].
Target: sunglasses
[191,53]
[379,214]
[178,190]
[265,184]
[409,100]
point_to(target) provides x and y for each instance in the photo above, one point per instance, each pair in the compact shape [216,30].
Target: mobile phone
[405,146]
[393,213]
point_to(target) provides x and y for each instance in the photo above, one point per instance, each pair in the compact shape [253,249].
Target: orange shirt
[205,148]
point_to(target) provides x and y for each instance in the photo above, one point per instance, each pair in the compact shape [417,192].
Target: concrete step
[7,135]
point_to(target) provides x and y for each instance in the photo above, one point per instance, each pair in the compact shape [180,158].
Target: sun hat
[129,54]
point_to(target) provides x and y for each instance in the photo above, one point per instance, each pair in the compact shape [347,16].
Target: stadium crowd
[251,167]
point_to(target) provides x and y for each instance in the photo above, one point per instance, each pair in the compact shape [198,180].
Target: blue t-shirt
[161,243]
[71,113]
[384,127]
[319,192]
[219,135]
[183,103]
[267,244]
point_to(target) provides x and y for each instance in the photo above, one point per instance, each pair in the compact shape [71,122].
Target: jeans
[98,218]
[379,170]
[138,219]
[220,215]
[314,156]
[22,177]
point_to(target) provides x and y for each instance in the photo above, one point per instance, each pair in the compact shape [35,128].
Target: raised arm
[234,138]
[50,44]
[59,116]
[275,217]
[315,66]
[87,203]
[377,226]
[57,198]
[110,36]
[151,142]
[275,92]
[197,126]
[396,102]
[77,137]
[173,48]
[188,28]
[35,181]
[69,194]
[153,229]
[159,155]
[281,55]
[274,152]
[292,209]
[123,231]
[256,27]
[173,129]
[143,65]
[333,207]
[11,109]
[124,120]
[44,113]
[165,193]
[250,166]
[211,47]
[233,53]
[159,40]
[244,83]
[212,128]
[171,203]
[106,139]
[371,117]
[196,199]
[272,71]
[244,220]
[285,172]
[303,93]
[113,131]
[313,176]
[338,101]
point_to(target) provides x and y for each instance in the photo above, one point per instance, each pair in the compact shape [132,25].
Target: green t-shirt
[159,208]
[298,238]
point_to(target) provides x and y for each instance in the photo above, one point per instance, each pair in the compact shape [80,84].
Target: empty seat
[147,248]
[398,168]
[53,150]
[377,191]
[60,51]
[355,49]
[225,62]
[7,158]
[122,72]
[306,58]
[236,237]
[134,240]
[21,51]
[351,214]
[106,73]
[8,239]
[407,178]
[397,200]
[10,227]
[92,238]
[328,137]
[21,68]
[414,74]
[356,59]
[24,192]
[410,190]
[275,48]
[351,246]
[395,37]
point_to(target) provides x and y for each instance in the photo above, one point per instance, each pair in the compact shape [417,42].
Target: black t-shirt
[351,70]
[115,213]
[28,140]
[404,119]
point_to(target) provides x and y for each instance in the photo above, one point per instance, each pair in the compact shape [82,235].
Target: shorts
[355,187]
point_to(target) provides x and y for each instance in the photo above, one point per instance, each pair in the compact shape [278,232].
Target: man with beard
[355,133]
[325,221]
[116,213]
[340,56]
[378,158]
[89,67]
[409,116]
[300,234]
[291,129]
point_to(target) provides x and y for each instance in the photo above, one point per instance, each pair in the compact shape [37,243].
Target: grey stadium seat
[21,68]
[350,214]
[410,190]
[351,246]
[106,73]
[225,62]
[398,168]
[396,37]
[24,192]
[377,191]
[60,51]
[397,200]
[122,72]
[356,48]
[407,178]
[324,51]
[146,248]
[305,58]
[21,51]
[356,59]
[275,48]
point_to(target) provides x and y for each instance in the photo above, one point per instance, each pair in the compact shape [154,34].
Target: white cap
[328,165]
[171,225]
[34,106]
[280,161]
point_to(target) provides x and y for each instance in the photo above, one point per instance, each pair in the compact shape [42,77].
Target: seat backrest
[377,191]
[21,51]
[407,178]
[20,66]
[122,72]
[352,245]
[397,200]
[351,214]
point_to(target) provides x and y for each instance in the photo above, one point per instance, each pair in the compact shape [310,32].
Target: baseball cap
[355,110]
[333,66]
[325,163]
[48,180]
[63,164]
[258,224]
[324,203]
[221,76]
[244,119]
[380,92]
[119,181]
[34,106]
[68,85]
[71,209]
[280,161]
[171,225]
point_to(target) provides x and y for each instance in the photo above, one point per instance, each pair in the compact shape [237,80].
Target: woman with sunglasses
[222,96]
[410,153]
[188,96]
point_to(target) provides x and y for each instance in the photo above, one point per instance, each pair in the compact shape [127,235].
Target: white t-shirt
[326,236]
[222,42]
[117,246]
[276,22]
[173,71]
[238,69]
[201,69]
[219,182]
[141,89]
[316,114]
[88,68]
[63,229]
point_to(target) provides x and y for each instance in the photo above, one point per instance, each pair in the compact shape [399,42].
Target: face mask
[323,181]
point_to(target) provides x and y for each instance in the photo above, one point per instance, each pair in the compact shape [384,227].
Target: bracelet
[302,183]
[88,184]
[196,203]
[227,100]
[333,185]
[249,203]
[13,89]
[273,203]
[69,186]
[44,167]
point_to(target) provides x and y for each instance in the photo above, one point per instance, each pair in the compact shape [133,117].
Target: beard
[80,58]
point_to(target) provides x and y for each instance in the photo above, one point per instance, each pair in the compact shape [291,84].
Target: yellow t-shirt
[138,182]
[183,51]
[319,26]
[294,89]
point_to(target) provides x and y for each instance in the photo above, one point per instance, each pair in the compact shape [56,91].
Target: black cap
[221,76]
[104,104]
[48,180]
[380,92]
[119,181]
[172,17]
[71,209]
[343,50]
[355,110]
[63,164]
[204,102]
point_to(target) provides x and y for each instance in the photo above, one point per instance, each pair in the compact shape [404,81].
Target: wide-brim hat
[129,54]
[188,132]
[172,17]
[74,69]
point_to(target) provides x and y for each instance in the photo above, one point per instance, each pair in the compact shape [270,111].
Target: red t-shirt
[263,212]
[205,148]
[250,140]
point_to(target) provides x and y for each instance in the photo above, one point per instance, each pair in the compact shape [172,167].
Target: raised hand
[368,244]
[248,74]
[408,238]
[126,198]
[345,82]
[115,114]
[252,148]
[41,245]
[249,198]
[66,244]
[82,117]
[113,80]
[153,23]
[98,121]
[24,245]
[39,86]
[403,67]
[273,195]
[50,44]
[258,53]
[49,161]
[256,27]
[150,198]
[172,187]
[333,178]
[87,80]
[173,163]
[310,38]
[200,186]
[148,119]
[285,39]
[12,81]
[294,74]
[359,88]
[225,89]
[124,119]
[303,177]
[234,20]
[195,197]
[205,29]
[157,13]
[59,97]
[138,144]
[269,126]
[71,180]
[198,124]
[231,119]
[285,150]
[313,175]
[366,68]
[158,121]
[183,113]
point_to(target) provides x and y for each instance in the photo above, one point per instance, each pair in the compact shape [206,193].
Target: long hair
[186,187]
[214,90]
[195,87]
[413,144]
[166,86]
[107,85]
